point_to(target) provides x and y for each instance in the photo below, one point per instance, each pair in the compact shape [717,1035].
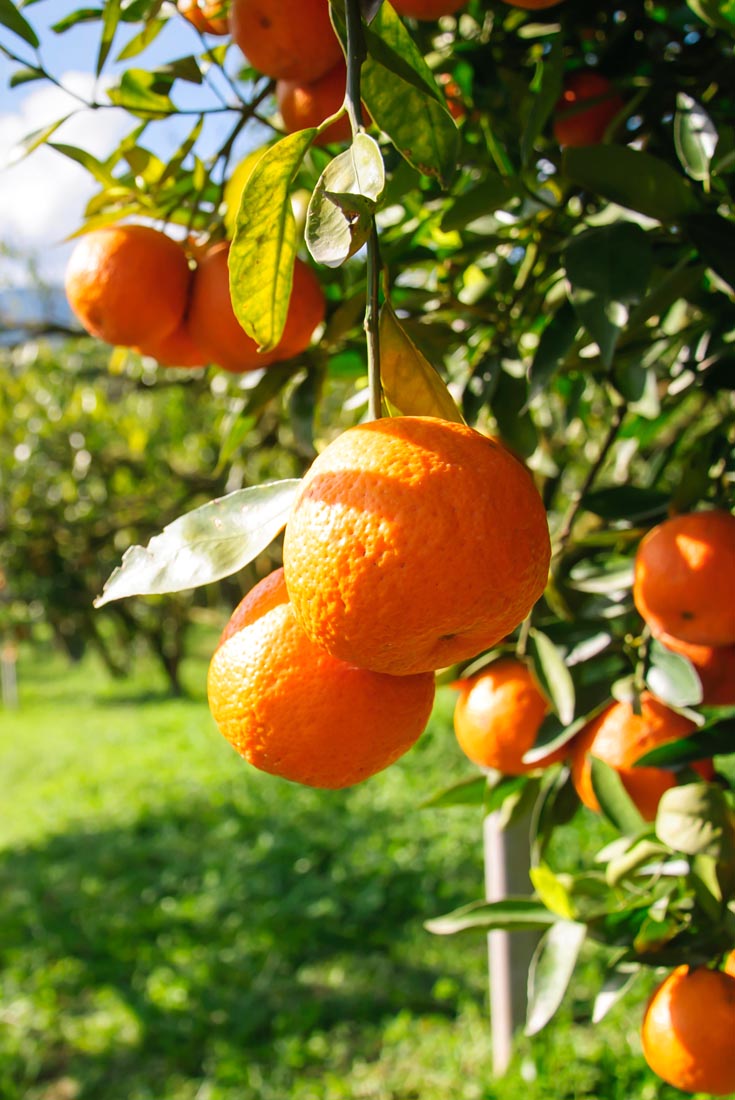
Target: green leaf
[672,678]
[81,15]
[714,238]
[143,94]
[26,76]
[206,544]
[553,675]
[608,270]
[552,891]
[32,141]
[496,192]
[617,982]
[622,866]
[547,87]
[631,178]
[141,41]
[695,137]
[80,156]
[695,819]
[554,345]
[718,13]
[614,800]
[626,502]
[467,792]
[11,18]
[511,914]
[403,100]
[264,246]
[410,382]
[339,219]
[550,972]
[111,12]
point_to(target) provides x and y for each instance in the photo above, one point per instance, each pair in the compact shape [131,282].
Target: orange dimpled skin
[688,1031]
[128,284]
[293,711]
[286,41]
[684,582]
[498,715]
[620,737]
[303,105]
[414,543]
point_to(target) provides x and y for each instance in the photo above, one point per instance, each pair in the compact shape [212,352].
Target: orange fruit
[497,716]
[730,964]
[688,1031]
[128,284]
[619,736]
[414,543]
[427,9]
[684,582]
[533,5]
[178,349]
[715,666]
[208,16]
[286,41]
[215,328]
[574,124]
[452,94]
[292,710]
[304,104]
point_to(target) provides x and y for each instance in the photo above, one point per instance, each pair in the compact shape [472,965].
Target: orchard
[469,267]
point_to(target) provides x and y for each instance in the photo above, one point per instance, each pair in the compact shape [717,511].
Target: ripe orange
[533,5]
[215,328]
[208,16]
[128,284]
[414,543]
[497,716]
[427,9]
[715,666]
[730,964]
[292,710]
[576,125]
[619,736]
[688,1031]
[684,582]
[286,41]
[178,349]
[304,104]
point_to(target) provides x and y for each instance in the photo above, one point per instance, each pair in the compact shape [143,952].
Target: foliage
[578,302]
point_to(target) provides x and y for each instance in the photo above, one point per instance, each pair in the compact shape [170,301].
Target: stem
[356,54]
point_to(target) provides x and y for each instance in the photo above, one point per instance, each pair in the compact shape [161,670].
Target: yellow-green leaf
[410,382]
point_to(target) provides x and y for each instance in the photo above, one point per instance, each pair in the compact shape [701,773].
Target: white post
[8,676]
[507,861]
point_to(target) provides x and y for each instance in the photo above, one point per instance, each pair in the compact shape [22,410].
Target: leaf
[552,891]
[553,675]
[111,12]
[80,156]
[552,735]
[143,94]
[626,502]
[11,18]
[410,382]
[551,969]
[403,100]
[264,246]
[714,738]
[614,800]
[549,79]
[631,178]
[141,41]
[632,859]
[26,76]
[714,238]
[617,983]
[496,192]
[672,678]
[81,15]
[467,792]
[339,218]
[695,819]
[695,137]
[204,545]
[511,914]
[554,345]
[718,13]
[608,270]
[32,141]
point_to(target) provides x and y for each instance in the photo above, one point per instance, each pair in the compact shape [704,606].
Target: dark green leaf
[626,502]
[513,914]
[25,76]
[81,15]
[718,13]
[496,192]
[553,675]
[551,969]
[264,247]
[554,345]
[547,90]
[614,800]
[206,544]
[11,18]
[634,179]
[715,738]
[467,792]
[714,238]
[339,219]
[672,678]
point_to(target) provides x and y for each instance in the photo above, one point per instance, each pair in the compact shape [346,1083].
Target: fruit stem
[356,54]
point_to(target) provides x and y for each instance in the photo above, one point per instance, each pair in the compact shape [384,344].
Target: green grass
[178,926]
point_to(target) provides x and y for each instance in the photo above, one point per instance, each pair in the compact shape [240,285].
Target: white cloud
[42,197]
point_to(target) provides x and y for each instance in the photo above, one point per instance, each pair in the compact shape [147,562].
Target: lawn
[178,926]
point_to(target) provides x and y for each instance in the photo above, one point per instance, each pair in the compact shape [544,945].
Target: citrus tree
[519,226]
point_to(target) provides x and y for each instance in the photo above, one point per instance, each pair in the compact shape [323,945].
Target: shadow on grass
[197,942]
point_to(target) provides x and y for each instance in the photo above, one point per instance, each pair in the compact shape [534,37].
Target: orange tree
[574,300]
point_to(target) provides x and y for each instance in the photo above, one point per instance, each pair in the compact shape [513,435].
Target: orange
[414,543]
[577,125]
[215,328]
[684,582]
[178,349]
[452,94]
[128,284]
[533,5]
[427,9]
[208,16]
[286,41]
[497,716]
[715,666]
[304,104]
[292,710]
[730,964]
[688,1031]
[619,736]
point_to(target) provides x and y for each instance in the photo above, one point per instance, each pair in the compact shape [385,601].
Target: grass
[177,926]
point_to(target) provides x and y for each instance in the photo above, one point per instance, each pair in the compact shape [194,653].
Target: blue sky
[42,197]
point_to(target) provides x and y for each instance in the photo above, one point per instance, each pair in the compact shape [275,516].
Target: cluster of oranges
[134,286]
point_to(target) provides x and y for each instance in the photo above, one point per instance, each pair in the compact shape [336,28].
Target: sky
[42,197]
